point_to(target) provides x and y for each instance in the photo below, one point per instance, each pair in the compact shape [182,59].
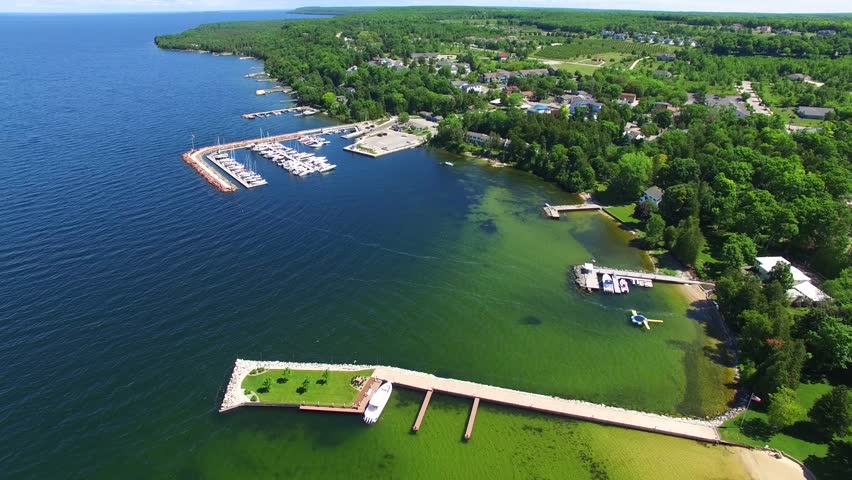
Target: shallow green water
[505,444]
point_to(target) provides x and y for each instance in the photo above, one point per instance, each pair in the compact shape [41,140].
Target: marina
[297,163]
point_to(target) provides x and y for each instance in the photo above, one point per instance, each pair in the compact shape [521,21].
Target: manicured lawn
[338,391]
[790,115]
[799,440]
[624,213]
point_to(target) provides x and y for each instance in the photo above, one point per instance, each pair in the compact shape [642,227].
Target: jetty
[553,211]
[694,429]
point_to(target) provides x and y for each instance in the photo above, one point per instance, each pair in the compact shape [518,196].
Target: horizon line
[292,9]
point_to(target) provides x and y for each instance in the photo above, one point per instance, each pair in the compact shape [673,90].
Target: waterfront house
[652,194]
[803,290]
[816,113]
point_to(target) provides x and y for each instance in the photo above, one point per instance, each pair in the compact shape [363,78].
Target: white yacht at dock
[377,403]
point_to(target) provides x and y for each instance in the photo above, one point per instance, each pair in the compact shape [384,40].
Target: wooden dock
[267,91]
[553,211]
[422,412]
[471,419]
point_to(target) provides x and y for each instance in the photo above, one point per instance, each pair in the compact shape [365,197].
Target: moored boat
[377,403]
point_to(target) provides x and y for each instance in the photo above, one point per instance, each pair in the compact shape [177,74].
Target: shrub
[254,398]
[247,391]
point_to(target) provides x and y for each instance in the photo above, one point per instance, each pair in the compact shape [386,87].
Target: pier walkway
[268,113]
[679,427]
[422,412]
[552,211]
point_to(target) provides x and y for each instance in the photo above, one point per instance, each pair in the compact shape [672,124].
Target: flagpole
[750,397]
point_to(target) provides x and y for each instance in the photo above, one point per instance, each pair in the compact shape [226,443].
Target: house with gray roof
[816,113]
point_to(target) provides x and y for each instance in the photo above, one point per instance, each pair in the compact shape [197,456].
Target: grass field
[790,117]
[603,48]
[624,213]
[336,391]
[799,440]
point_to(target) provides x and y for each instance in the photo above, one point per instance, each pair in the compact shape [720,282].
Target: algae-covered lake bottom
[505,444]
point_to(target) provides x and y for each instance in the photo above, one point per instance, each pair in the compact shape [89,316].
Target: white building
[803,289]
[652,194]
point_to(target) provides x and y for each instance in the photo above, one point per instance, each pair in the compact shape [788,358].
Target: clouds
[109,6]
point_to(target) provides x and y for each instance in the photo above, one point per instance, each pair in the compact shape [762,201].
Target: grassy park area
[799,440]
[322,387]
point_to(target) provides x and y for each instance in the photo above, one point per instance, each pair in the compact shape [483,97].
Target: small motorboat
[449,164]
[622,283]
[377,403]
[608,285]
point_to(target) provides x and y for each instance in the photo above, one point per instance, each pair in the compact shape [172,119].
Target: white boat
[616,284]
[377,403]
[623,284]
[449,164]
[606,281]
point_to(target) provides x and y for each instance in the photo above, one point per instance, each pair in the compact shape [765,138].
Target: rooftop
[766,264]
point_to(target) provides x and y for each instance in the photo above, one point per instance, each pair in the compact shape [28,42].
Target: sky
[112,6]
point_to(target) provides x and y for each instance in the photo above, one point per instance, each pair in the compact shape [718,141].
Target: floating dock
[694,429]
[553,211]
[422,412]
[471,419]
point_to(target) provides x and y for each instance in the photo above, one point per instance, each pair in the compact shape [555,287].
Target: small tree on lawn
[784,409]
[305,384]
[832,412]
[265,385]
[325,375]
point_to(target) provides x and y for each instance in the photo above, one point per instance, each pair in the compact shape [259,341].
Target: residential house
[652,194]
[763,29]
[533,72]
[621,36]
[633,132]
[817,113]
[501,76]
[662,74]
[586,103]
[539,109]
[664,106]
[826,33]
[352,69]
[607,33]
[482,139]
[803,290]
[628,99]
[529,96]
[786,32]
[502,56]
[512,89]
[734,101]
[666,57]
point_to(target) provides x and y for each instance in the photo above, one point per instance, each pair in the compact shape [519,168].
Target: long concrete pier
[694,429]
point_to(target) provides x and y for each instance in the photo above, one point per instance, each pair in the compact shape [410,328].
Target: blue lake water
[128,284]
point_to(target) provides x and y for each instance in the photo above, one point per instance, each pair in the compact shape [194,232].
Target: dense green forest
[735,186]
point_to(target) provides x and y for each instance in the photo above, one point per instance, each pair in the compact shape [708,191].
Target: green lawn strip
[624,214]
[799,440]
[338,391]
